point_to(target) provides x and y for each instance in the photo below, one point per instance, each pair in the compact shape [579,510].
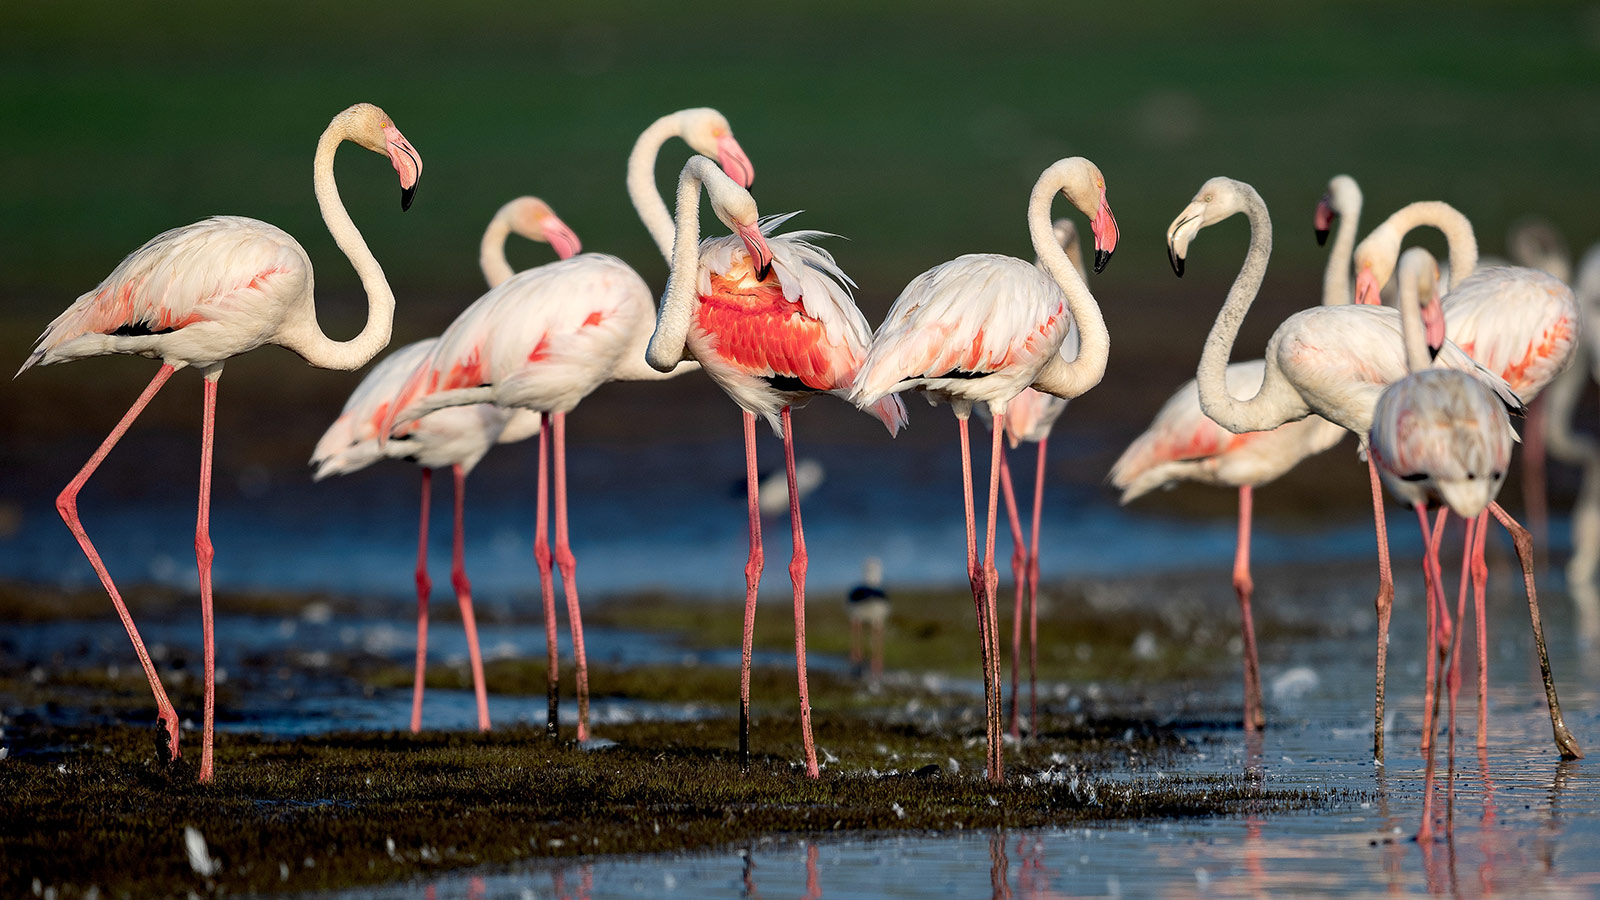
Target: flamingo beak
[1104,226]
[1181,232]
[1323,220]
[1367,287]
[407,163]
[731,157]
[562,239]
[760,253]
[1433,325]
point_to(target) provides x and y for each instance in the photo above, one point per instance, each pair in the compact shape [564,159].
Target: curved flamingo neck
[1459,238]
[668,343]
[642,181]
[1059,377]
[302,334]
[492,249]
[1336,278]
[1277,402]
[1411,329]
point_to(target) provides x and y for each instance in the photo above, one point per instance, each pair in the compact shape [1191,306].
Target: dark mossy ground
[93,808]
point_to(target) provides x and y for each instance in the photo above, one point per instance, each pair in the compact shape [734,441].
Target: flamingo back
[1520,323]
[979,326]
[236,272]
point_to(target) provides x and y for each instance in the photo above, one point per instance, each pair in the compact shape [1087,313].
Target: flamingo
[1522,325]
[200,294]
[981,328]
[1440,436]
[1535,243]
[771,318]
[1181,444]
[707,133]
[455,437]
[1333,361]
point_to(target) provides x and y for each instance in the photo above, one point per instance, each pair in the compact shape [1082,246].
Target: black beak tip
[1322,236]
[1177,262]
[1433,352]
[406,196]
[764,271]
[1101,258]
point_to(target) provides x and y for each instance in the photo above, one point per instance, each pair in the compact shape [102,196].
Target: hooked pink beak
[760,253]
[1367,287]
[407,163]
[1104,226]
[1323,220]
[1433,325]
[730,156]
[562,239]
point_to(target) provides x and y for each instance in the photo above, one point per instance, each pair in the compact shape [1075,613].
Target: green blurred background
[914,129]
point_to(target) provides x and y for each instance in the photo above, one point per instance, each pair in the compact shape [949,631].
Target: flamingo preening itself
[771,319]
[201,294]
[981,328]
[456,438]
[1183,444]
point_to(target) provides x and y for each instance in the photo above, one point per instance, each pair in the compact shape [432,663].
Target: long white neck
[1459,238]
[633,366]
[642,181]
[302,334]
[1411,331]
[492,249]
[1336,278]
[1059,377]
[1277,402]
[667,344]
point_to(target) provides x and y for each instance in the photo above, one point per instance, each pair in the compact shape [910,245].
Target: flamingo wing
[213,270]
[1520,323]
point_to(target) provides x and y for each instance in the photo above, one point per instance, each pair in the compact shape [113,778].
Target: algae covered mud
[1135,781]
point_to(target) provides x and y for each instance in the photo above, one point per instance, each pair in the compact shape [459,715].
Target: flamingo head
[707,132]
[533,219]
[372,128]
[1218,199]
[736,209]
[1375,259]
[1419,271]
[1323,220]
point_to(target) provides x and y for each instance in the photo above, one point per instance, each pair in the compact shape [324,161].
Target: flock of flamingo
[1426,387]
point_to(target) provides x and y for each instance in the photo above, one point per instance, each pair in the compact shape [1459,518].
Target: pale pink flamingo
[1332,361]
[1182,444]
[200,294]
[705,131]
[1438,436]
[457,437]
[1522,325]
[980,329]
[771,319]
[1535,243]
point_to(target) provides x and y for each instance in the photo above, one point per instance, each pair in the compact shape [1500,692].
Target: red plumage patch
[762,333]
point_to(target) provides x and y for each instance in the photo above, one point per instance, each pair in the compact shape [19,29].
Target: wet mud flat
[87,806]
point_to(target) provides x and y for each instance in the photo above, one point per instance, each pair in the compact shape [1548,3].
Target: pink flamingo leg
[569,573]
[1432,607]
[1019,562]
[1384,604]
[991,587]
[1565,742]
[458,579]
[1255,717]
[797,575]
[547,587]
[1480,582]
[974,571]
[1033,592]
[204,553]
[424,590]
[67,506]
[752,585]
[1453,673]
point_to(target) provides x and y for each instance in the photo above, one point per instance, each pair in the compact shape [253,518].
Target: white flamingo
[456,438]
[200,294]
[1182,444]
[1333,361]
[980,329]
